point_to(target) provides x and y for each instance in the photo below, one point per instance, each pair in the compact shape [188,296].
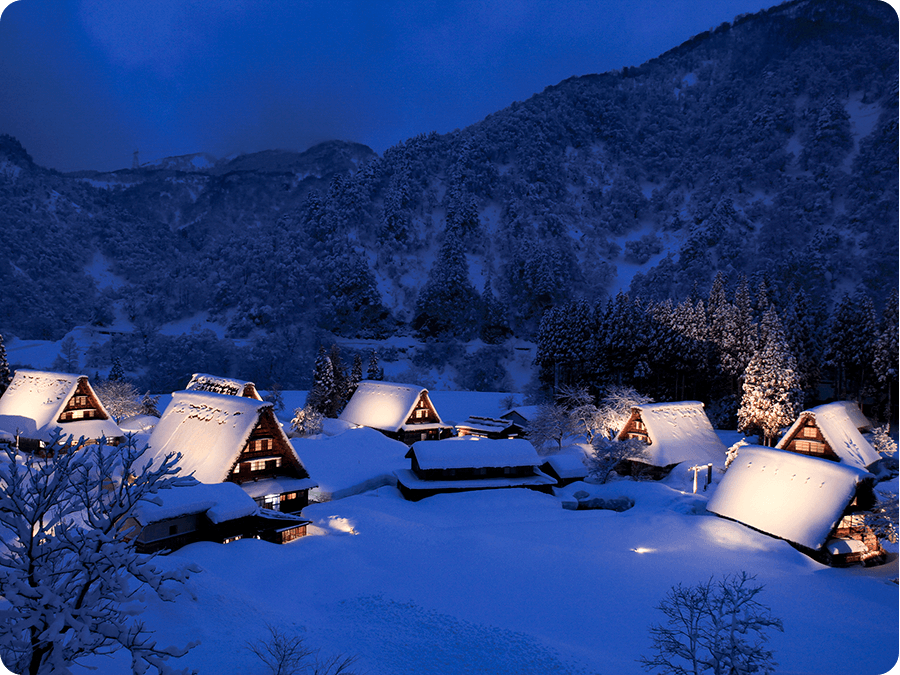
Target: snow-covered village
[386,338]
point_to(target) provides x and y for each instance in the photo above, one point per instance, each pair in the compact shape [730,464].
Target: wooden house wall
[470,473]
[807,439]
[83,404]
[266,453]
[424,412]
[635,428]
[410,436]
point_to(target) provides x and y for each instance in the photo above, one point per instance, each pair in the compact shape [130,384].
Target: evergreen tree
[739,336]
[849,350]
[494,322]
[772,394]
[802,336]
[355,373]
[373,371]
[885,360]
[340,392]
[117,372]
[447,306]
[320,396]
[5,373]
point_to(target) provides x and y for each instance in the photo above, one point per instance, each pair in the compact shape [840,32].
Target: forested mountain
[765,148]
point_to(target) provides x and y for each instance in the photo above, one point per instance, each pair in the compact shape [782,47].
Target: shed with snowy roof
[806,501]
[832,431]
[521,415]
[221,513]
[223,385]
[234,439]
[400,411]
[672,433]
[488,427]
[37,405]
[471,463]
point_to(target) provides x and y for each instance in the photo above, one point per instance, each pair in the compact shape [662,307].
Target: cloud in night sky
[83,83]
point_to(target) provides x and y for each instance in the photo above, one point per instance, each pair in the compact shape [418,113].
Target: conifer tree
[849,349]
[373,371]
[494,323]
[320,397]
[885,360]
[117,372]
[5,373]
[340,392]
[447,304]
[772,394]
[355,373]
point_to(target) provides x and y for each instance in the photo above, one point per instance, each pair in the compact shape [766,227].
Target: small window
[809,432]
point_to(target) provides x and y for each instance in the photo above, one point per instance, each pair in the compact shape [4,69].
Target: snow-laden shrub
[306,422]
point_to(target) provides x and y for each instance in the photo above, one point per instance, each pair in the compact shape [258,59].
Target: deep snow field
[503,581]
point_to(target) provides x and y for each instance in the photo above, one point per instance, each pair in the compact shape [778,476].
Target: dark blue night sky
[83,83]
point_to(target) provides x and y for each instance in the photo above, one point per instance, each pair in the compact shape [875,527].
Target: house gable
[267,453]
[83,404]
[635,428]
[223,385]
[805,438]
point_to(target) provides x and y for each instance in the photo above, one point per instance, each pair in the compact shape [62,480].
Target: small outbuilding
[471,463]
[815,504]
[672,433]
[400,411]
[37,405]
[221,513]
[225,438]
[223,385]
[488,427]
[832,431]
[522,415]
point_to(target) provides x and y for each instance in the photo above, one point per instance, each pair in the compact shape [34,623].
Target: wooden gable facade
[423,423]
[268,454]
[635,428]
[83,404]
[807,439]
[403,412]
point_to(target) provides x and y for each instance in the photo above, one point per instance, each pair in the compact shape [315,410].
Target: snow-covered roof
[526,412]
[839,423]
[474,452]
[485,424]
[209,430]
[679,432]
[568,464]
[791,496]
[222,385]
[410,480]
[34,401]
[383,405]
[220,502]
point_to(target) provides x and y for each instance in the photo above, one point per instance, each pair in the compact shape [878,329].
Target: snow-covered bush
[306,422]
[732,453]
[120,398]
[713,627]
[70,576]
[609,452]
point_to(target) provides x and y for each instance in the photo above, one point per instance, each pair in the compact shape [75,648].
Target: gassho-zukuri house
[814,504]
[832,431]
[471,463]
[37,405]
[233,439]
[672,433]
[403,412]
[223,385]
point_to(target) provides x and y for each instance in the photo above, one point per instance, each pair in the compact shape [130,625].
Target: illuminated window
[260,464]
[809,432]
[261,445]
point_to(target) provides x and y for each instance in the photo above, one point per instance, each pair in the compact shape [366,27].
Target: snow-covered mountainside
[766,147]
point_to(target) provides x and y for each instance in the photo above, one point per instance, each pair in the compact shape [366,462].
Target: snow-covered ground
[505,581]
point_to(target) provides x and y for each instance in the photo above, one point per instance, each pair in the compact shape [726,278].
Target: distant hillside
[767,147]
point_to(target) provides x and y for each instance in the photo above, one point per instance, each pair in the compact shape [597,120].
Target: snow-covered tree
[551,424]
[615,407]
[117,372]
[341,392]
[373,370]
[447,305]
[71,579]
[306,421]
[718,627]
[886,355]
[69,358]
[149,405]
[5,373]
[320,396]
[120,398]
[608,452]
[849,350]
[772,394]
